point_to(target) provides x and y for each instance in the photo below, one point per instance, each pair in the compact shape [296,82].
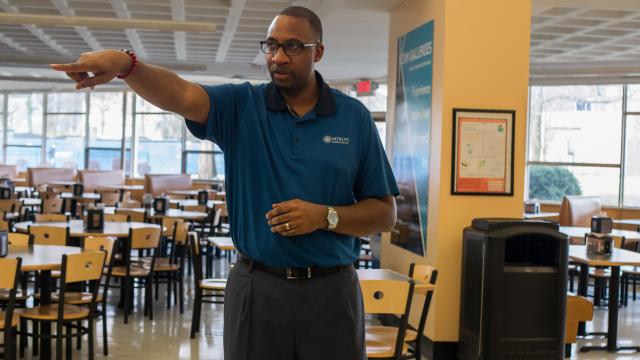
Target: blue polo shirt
[331,156]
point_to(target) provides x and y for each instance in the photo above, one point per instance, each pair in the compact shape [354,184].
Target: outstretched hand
[95,68]
[297,217]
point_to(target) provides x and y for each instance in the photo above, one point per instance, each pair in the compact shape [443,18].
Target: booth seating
[161,184]
[9,171]
[94,179]
[578,210]
[42,176]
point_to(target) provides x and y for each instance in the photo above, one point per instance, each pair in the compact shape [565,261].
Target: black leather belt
[291,273]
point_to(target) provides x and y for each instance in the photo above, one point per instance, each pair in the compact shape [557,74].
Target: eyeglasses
[290,47]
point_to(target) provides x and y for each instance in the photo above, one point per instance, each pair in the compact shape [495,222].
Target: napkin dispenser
[160,204]
[95,219]
[203,197]
[601,225]
[5,192]
[531,207]
[599,245]
[4,244]
[78,189]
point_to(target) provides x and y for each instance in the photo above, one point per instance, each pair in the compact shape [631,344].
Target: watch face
[333,217]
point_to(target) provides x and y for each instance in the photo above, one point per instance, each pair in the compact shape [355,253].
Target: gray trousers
[268,317]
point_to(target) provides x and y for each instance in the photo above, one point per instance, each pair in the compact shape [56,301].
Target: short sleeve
[222,114]
[374,178]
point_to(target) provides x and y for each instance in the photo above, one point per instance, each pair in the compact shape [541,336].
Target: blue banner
[411,138]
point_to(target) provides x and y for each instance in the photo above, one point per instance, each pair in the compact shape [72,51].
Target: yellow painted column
[480,61]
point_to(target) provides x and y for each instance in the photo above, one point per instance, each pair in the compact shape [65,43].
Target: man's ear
[318,53]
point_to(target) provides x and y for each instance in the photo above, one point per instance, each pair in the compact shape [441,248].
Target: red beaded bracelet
[134,64]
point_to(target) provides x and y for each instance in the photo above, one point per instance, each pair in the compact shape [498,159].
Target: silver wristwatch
[332,218]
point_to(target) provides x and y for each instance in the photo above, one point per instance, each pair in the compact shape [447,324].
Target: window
[106,130]
[575,142]
[65,136]
[203,159]
[24,129]
[158,140]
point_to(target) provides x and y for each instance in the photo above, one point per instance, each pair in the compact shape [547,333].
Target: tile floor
[168,336]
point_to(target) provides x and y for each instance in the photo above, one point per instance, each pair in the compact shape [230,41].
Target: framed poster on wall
[412,137]
[482,161]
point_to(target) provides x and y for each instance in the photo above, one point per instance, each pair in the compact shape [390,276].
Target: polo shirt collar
[326,104]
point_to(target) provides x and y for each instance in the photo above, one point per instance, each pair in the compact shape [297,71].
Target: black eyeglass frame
[263,44]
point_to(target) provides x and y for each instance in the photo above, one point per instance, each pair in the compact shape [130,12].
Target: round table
[77,229]
[31,201]
[43,258]
[193,202]
[170,213]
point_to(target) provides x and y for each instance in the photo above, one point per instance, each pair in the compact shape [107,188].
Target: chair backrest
[51,204]
[51,218]
[40,176]
[169,225]
[180,232]
[49,235]
[116,217]
[194,244]
[386,296]
[144,238]
[19,239]
[9,171]
[198,208]
[578,210]
[84,266]
[93,179]
[578,309]
[428,274]
[103,243]
[109,197]
[134,216]
[9,270]
[129,204]
[10,205]
[158,184]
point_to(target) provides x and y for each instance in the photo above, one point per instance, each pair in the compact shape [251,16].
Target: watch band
[331,211]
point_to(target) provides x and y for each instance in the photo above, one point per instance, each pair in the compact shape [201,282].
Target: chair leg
[181,292]
[157,281]
[59,340]
[105,338]
[126,300]
[567,350]
[150,292]
[23,336]
[195,319]
[10,343]
[91,328]
[36,338]
[69,339]
[79,337]
[169,280]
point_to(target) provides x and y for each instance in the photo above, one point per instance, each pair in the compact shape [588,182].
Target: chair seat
[14,321]
[20,295]
[213,284]
[50,312]
[166,267]
[378,333]
[632,270]
[600,273]
[136,271]
[383,349]
[77,298]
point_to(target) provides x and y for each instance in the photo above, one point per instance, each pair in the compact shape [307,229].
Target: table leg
[45,326]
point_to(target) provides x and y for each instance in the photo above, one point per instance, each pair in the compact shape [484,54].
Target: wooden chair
[19,239]
[108,197]
[134,216]
[129,204]
[9,280]
[578,309]
[77,268]
[147,238]
[170,270]
[198,208]
[10,205]
[40,218]
[51,205]
[116,217]
[49,235]
[105,244]
[423,274]
[388,297]
[206,290]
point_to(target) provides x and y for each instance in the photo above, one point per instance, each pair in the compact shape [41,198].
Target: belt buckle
[291,276]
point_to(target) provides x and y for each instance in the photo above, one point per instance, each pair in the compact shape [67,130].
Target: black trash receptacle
[514,290]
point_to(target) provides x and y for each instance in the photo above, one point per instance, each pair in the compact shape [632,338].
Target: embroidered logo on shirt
[328,139]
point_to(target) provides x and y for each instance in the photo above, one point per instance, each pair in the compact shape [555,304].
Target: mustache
[275,69]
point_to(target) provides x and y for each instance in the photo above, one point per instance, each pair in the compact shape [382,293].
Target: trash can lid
[492,224]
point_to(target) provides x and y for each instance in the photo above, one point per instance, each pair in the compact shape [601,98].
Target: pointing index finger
[73,67]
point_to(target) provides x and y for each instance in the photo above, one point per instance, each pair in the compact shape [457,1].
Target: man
[305,174]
